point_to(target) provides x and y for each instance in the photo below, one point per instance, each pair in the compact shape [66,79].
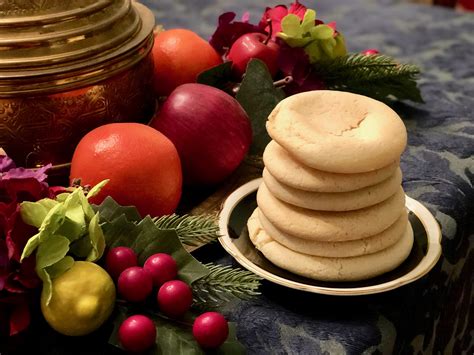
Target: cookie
[290,172]
[358,247]
[334,201]
[330,226]
[338,132]
[330,269]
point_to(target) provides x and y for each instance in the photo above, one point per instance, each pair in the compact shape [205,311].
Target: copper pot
[67,67]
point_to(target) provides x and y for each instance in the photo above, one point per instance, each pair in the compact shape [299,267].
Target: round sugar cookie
[347,249]
[330,226]
[334,201]
[290,172]
[331,269]
[338,132]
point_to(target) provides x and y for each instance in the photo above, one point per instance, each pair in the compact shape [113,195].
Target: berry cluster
[174,298]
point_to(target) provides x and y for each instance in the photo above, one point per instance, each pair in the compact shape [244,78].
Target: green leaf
[81,248]
[74,225]
[322,32]
[52,221]
[291,26]
[223,284]
[120,232]
[47,284]
[376,76]
[34,213]
[60,267]
[110,210]
[258,97]
[174,337]
[96,189]
[62,197]
[219,76]
[147,239]
[30,246]
[192,230]
[50,251]
[152,240]
[97,239]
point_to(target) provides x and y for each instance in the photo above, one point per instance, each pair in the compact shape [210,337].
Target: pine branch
[223,284]
[377,76]
[191,230]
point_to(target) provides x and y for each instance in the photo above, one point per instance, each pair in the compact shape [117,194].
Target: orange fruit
[142,164]
[180,56]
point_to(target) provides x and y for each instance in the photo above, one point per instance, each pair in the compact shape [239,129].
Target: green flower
[319,40]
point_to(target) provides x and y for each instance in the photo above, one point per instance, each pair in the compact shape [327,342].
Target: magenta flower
[17,280]
[277,13]
[228,31]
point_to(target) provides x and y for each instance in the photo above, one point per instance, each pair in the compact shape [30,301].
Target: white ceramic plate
[239,206]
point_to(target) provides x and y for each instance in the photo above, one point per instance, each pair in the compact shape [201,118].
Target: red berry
[119,259]
[137,333]
[135,284]
[161,267]
[210,330]
[370,52]
[175,298]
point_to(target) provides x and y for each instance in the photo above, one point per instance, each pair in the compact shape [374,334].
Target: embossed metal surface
[67,67]
[43,129]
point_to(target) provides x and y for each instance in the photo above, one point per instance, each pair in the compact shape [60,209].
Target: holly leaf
[173,337]
[258,96]
[110,210]
[146,239]
[218,76]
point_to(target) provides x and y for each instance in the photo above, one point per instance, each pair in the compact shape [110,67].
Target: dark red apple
[210,130]
[254,46]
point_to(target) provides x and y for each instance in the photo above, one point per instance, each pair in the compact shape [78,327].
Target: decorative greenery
[149,236]
[258,96]
[217,76]
[320,41]
[161,235]
[191,230]
[377,76]
[222,284]
[63,224]
[175,337]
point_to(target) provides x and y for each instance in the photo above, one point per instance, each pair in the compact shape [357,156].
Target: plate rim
[428,221]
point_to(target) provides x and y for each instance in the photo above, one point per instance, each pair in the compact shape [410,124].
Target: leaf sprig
[222,284]
[191,230]
[377,76]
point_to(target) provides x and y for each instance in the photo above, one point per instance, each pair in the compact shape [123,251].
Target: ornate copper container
[68,66]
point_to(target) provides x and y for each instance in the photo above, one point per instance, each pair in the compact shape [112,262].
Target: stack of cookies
[331,206]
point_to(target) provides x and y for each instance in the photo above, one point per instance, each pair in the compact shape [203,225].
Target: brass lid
[56,45]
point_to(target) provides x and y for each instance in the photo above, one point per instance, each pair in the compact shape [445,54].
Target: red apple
[210,130]
[254,46]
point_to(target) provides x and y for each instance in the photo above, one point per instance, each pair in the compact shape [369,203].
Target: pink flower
[277,13]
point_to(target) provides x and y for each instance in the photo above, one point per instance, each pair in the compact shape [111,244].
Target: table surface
[432,314]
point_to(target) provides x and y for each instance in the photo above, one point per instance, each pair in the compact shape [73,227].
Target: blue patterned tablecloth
[431,315]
